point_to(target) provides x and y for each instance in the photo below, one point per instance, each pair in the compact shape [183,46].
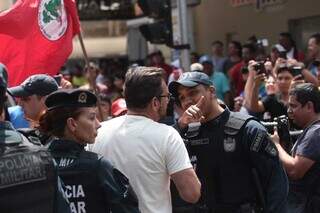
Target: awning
[100,47]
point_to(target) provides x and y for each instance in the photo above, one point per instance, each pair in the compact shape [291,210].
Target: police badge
[82,98]
[229,144]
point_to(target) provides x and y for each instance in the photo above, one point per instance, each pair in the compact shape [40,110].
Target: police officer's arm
[188,185]
[117,189]
[265,160]
[296,166]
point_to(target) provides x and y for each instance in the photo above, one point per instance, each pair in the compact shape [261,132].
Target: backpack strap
[235,122]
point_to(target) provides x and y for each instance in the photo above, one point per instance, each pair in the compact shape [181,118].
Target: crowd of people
[156,138]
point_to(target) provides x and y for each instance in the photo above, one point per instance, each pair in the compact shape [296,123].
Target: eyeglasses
[169,96]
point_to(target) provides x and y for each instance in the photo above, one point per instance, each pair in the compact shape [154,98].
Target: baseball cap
[39,84]
[196,67]
[118,107]
[3,76]
[189,79]
[205,59]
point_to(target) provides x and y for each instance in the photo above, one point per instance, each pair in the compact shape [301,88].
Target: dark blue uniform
[92,183]
[239,170]
[28,178]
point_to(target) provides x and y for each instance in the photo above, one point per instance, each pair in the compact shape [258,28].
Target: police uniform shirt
[224,165]
[28,168]
[91,183]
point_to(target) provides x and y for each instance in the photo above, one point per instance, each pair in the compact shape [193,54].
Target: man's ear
[42,99]
[155,103]
[71,124]
[212,90]
[310,106]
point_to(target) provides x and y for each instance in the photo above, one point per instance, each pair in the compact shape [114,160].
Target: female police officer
[92,184]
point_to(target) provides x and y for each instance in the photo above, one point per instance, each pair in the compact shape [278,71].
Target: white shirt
[290,54]
[147,152]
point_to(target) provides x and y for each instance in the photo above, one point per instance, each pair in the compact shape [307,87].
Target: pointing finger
[200,102]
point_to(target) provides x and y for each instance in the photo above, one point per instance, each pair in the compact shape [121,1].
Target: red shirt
[236,77]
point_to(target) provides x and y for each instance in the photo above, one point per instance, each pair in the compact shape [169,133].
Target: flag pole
[92,79]
[86,59]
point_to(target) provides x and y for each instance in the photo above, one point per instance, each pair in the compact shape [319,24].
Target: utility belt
[219,208]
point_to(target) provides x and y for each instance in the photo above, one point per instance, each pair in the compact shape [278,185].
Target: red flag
[36,37]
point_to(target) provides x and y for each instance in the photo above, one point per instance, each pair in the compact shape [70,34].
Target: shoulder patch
[229,144]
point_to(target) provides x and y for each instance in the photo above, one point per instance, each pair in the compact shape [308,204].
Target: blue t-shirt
[218,63]
[307,146]
[221,84]
[17,117]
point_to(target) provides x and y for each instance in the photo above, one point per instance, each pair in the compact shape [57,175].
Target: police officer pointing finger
[234,158]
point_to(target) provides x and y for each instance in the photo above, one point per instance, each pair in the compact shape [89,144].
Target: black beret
[71,98]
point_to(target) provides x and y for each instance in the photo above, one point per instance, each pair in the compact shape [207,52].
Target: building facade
[227,20]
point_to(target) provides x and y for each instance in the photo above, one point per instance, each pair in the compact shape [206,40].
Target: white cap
[196,67]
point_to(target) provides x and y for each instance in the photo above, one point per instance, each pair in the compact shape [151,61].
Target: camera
[282,124]
[283,127]
[296,71]
[244,70]
[259,67]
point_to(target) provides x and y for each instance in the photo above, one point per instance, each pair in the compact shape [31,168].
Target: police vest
[35,136]
[83,187]
[223,165]
[28,180]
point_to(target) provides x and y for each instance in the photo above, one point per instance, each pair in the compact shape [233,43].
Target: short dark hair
[141,85]
[289,37]
[286,34]
[282,69]
[238,46]
[251,47]
[307,92]
[316,36]
[104,97]
[217,42]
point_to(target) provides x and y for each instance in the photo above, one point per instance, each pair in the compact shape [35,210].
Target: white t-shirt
[147,152]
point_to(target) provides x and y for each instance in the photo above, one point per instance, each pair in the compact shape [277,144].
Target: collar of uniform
[221,119]
[65,145]
[8,135]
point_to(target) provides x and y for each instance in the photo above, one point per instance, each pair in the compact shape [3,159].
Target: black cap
[71,98]
[189,79]
[39,84]
[3,76]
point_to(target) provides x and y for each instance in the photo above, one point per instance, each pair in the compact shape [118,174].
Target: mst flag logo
[52,19]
